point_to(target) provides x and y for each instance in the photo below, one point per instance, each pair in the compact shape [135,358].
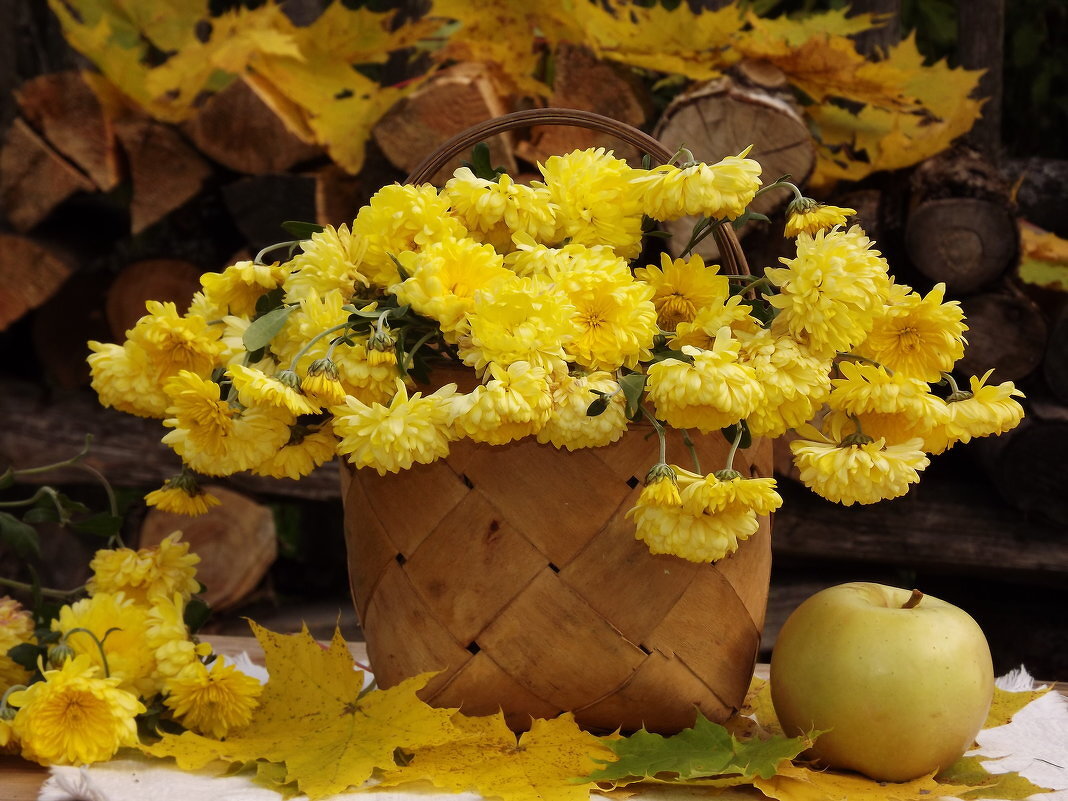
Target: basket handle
[734,261]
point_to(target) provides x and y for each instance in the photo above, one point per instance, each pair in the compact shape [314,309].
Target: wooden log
[34,179]
[62,326]
[238,130]
[166,172]
[260,204]
[62,107]
[582,81]
[961,171]
[32,273]
[125,448]
[1006,331]
[236,541]
[981,45]
[450,102]
[966,243]
[1055,361]
[1041,191]
[952,520]
[1026,465]
[171,280]
[339,195]
[723,117]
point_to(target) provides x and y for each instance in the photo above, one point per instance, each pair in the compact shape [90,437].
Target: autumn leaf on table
[705,751]
[980,784]
[314,718]
[486,757]
[758,709]
[795,783]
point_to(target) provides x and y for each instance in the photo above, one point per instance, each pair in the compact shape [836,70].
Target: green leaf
[480,163]
[22,538]
[704,751]
[730,432]
[301,230]
[263,330]
[599,406]
[26,654]
[101,524]
[196,614]
[633,385]
[750,216]
[269,301]
[668,353]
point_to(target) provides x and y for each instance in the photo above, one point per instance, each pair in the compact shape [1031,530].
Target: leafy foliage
[486,757]
[704,751]
[315,717]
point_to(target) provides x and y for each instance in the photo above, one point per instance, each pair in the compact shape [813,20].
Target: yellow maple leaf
[1007,703]
[1043,258]
[486,757]
[758,708]
[980,784]
[314,718]
[797,783]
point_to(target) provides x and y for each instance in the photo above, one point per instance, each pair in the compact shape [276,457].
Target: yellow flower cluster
[532,313]
[117,652]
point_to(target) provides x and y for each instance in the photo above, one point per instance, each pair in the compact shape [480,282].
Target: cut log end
[964,242]
[32,274]
[1006,332]
[164,280]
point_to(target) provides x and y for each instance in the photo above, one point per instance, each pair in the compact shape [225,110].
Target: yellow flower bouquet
[492,312]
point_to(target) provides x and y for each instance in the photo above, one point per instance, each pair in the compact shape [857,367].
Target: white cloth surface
[1034,744]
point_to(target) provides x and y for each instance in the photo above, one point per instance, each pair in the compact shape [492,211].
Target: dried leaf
[1043,258]
[486,757]
[969,771]
[313,718]
[795,783]
[1007,703]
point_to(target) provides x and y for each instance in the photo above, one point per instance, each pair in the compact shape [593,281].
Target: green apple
[900,682]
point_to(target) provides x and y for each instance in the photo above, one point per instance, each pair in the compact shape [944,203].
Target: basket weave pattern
[513,571]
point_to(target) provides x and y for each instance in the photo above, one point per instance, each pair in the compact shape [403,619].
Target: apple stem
[913,600]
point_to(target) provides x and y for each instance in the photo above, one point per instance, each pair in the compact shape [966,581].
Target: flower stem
[313,340]
[784,181]
[29,471]
[692,449]
[59,595]
[269,248]
[734,447]
[99,644]
[659,427]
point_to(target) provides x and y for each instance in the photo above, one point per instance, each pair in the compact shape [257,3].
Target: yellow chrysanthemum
[830,293]
[124,379]
[444,277]
[256,388]
[733,312]
[363,378]
[614,321]
[74,717]
[847,469]
[731,492]
[894,406]
[314,314]
[181,500]
[168,636]
[160,570]
[323,383]
[805,215]
[515,401]
[985,410]
[569,426]
[308,447]
[213,702]
[796,383]
[16,627]
[683,287]
[329,260]
[720,190]
[216,438]
[173,343]
[524,319]
[399,218]
[713,392]
[597,204]
[493,211]
[918,336]
[531,258]
[236,289]
[393,438]
[123,622]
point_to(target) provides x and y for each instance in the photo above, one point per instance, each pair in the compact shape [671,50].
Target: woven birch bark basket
[512,571]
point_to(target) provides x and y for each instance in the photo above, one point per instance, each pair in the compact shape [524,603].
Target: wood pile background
[99,214]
